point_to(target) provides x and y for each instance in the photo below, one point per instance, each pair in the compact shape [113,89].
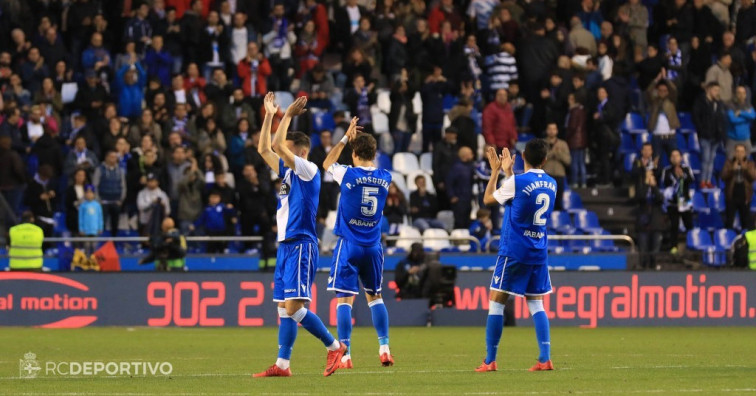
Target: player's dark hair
[364,146]
[535,152]
[300,139]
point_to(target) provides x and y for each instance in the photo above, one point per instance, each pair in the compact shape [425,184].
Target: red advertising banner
[587,299]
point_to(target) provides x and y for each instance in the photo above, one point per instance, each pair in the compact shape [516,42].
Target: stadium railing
[474,240]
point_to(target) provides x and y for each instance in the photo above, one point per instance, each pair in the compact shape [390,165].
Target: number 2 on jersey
[543,200]
[370,202]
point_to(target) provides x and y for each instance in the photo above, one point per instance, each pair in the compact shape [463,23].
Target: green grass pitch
[428,360]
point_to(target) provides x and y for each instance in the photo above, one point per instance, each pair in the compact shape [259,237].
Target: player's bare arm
[264,148]
[279,141]
[505,162]
[335,152]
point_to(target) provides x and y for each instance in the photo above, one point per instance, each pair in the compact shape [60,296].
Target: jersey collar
[534,170]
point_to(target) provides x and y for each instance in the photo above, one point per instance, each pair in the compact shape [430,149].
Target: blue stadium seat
[699,239]
[719,162]
[60,222]
[628,161]
[322,120]
[682,142]
[587,221]
[606,245]
[571,201]
[693,161]
[555,246]
[583,245]
[560,222]
[643,138]
[724,238]
[519,165]
[627,143]
[699,203]
[686,123]
[383,161]
[716,200]
[525,137]
[633,123]
[753,205]
[693,144]
[710,221]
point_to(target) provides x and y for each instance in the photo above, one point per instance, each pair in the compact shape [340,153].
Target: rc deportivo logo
[28,367]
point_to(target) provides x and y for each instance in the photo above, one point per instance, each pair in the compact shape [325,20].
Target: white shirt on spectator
[662,126]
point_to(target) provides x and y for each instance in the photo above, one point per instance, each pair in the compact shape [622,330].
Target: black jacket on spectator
[399,99]
[47,149]
[191,31]
[466,136]
[433,101]
[84,98]
[341,33]
[444,156]
[648,69]
[709,118]
[536,56]
[745,26]
[427,205]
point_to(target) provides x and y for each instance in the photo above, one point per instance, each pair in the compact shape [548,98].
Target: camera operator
[168,249]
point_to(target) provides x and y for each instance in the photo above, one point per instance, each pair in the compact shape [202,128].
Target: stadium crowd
[156,105]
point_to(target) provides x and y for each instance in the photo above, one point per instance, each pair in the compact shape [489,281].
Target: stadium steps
[614,209]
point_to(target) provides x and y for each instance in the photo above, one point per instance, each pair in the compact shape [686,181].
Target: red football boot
[273,371]
[333,360]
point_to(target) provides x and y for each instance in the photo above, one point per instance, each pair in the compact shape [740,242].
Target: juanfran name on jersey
[539,184]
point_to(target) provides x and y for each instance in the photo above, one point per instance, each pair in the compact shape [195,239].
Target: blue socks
[541,322]
[380,320]
[344,323]
[287,334]
[315,326]
[494,328]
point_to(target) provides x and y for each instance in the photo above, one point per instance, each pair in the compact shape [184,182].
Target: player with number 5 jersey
[521,266]
[359,254]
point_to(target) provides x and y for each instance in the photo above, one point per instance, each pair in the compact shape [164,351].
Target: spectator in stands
[110,180]
[459,187]
[49,98]
[605,134]
[461,120]
[677,180]
[432,93]
[356,64]
[709,119]
[649,68]
[648,161]
[580,37]
[663,121]
[637,23]
[138,29]
[255,206]
[115,131]
[720,73]
[745,25]
[41,198]
[651,222]
[129,84]
[213,45]
[221,186]
[90,215]
[482,226]
[153,204]
[34,70]
[80,157]
[319,87]
[402,118]
[499,127]
[12,173]
[412,273]
[444,156]
[359,99]
[145,126]
[739,174]
[501,69]
[36,125]
[674,63]
[74,197]
[423,207]
[10,128]
[738,65]
[557,161]
[346,23]
[174,172]
[538,54]
[444,11]
[215,220]
[591,17]
[741,116]
[158,61]
[577,140]
[397,54]
[395,209]
[278,42]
